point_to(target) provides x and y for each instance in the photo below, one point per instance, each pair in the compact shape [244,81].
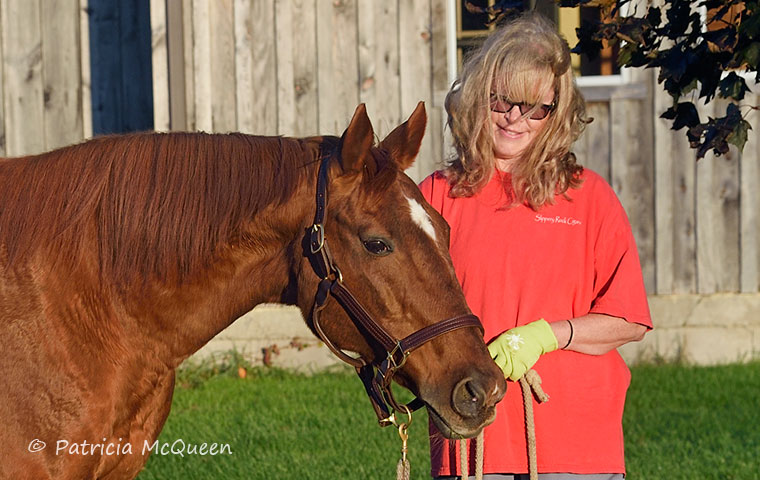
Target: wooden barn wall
[44,75]
[300,67]
[697,223]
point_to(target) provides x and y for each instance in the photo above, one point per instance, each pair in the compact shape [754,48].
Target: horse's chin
[459,432]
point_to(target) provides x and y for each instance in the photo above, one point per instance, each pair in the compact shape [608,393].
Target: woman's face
[512,131]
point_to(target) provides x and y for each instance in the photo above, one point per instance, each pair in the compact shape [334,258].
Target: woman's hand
[518,349]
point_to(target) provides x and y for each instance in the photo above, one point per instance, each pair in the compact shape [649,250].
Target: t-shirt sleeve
[618,283]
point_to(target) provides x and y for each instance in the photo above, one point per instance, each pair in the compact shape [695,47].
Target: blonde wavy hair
[518,57]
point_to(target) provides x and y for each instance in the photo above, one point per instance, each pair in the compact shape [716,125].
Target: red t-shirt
[517,265]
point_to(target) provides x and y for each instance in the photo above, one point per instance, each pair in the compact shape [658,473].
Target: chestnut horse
[123,255]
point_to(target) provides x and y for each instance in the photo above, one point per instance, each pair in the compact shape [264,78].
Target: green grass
[686,422]
[280,426]
[681,423]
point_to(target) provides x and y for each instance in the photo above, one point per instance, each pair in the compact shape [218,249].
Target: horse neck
[257,269]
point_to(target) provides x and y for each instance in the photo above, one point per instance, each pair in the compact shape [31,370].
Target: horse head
[390,249]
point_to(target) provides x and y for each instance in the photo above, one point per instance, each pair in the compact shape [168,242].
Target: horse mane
[160,205]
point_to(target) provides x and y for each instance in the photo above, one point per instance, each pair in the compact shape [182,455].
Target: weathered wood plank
[256,66]
[434,130]
[592,149]
[61,73]
[379,63]
[2,87]
[367,47]
[283,45]
[305,57]
[717,216]
[188,42]
[338,64]
[203,98]
[439,83]
[675,227]
[175,53]
[244,62]
[415,67]
[23,96]
[447,140]
[160,64]
[84,63]
[440,73]
[222,63]
[749,212]
[631,168]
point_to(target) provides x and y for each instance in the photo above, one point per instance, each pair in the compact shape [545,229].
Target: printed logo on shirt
[570,221]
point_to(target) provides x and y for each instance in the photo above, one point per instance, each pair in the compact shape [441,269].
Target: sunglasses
[501,104]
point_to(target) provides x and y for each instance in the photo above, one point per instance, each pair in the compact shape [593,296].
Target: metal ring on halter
[338,274]
[392,420]
[392,357]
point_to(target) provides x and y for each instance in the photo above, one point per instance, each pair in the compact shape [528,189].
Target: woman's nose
[513,114]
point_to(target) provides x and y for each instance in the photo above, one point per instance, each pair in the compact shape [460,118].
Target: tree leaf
[733,86]
[739,134]
[683,114]
[750,55]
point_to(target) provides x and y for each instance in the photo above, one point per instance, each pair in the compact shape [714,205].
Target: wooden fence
[697,224]
[44,75]
[300,67]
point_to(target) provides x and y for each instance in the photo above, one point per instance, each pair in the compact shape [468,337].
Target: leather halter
[375,375]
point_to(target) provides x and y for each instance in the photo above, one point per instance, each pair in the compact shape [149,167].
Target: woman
[545,256]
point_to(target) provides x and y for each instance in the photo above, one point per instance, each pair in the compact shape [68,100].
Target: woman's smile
[512,132]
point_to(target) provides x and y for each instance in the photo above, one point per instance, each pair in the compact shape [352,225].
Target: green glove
[517,350]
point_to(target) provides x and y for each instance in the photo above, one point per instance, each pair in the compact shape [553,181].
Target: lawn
[681,423]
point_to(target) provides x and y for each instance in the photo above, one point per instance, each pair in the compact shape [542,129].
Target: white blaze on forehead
[421,217]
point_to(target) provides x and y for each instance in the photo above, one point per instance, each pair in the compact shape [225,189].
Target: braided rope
[479,456]
[464,465]
[403,469]
[531,385]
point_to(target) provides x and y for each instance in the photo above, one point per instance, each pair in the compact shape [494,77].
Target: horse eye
[377,246]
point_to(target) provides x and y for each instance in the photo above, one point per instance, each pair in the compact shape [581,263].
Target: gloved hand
[517,350]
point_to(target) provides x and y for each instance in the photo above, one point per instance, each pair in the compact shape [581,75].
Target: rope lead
[531,385]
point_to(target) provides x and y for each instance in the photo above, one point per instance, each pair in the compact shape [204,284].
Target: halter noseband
[376,377]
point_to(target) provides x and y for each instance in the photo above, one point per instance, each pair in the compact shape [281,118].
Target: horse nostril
[497,393]
[468,398]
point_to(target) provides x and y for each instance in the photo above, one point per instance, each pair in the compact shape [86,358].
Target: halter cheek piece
[375,376]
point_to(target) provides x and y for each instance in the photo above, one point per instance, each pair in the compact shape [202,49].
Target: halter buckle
[317,241]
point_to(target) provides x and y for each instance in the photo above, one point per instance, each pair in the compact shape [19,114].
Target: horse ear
[403,143]
[356,141]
